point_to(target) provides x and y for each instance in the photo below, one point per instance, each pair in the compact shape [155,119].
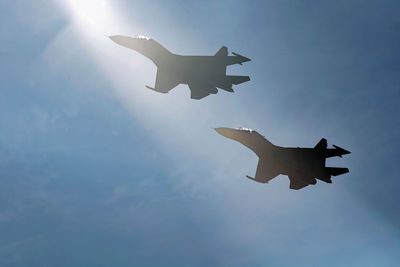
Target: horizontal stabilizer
[341,151]
[336,171]
[241,58]
[237,79]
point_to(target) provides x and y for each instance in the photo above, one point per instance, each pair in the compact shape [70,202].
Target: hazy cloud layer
[97,170]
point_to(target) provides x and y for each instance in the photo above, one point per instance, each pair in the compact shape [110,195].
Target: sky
[97,170]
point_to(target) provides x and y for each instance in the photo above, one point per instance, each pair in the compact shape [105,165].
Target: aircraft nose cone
[229,133]
[117,38]
[223,131]
[113,37]
[129,42]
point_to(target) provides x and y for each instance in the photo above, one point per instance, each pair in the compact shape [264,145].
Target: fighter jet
[302,165]
[203,74]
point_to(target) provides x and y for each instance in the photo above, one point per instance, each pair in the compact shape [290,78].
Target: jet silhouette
[302,165]
[203,74]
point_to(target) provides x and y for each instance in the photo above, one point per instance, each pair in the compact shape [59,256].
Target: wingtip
[255,180]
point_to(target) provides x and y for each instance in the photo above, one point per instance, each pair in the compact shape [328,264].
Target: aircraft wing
[198,91]
[263,173]
[296,182]
[164,81]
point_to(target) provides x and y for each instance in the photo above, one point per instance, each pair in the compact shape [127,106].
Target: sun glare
[94,21]
[93,15]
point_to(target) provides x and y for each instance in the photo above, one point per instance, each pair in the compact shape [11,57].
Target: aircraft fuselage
[306,162]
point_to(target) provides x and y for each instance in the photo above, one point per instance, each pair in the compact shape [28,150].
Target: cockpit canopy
[245,129]
[142,37]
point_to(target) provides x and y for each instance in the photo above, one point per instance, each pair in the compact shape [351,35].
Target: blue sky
[96,170]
